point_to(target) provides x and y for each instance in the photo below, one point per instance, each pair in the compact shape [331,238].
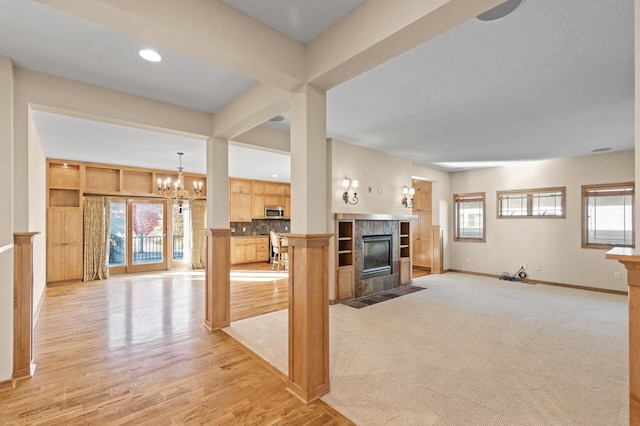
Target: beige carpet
[470,351]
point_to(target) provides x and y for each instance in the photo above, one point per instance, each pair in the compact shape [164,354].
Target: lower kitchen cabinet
[249,249]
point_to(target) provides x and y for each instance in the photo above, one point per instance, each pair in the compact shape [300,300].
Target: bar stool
[280,251]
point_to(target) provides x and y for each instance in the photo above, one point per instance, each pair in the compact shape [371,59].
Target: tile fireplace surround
[375,224]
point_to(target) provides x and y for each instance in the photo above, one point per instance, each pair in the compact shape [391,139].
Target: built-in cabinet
[64,222]
[249,249]
[345,288]
[422,233]
[64,244]
[67,183]
[345,253]
[248,198]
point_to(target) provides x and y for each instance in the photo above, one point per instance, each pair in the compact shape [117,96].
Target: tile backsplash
[259,227]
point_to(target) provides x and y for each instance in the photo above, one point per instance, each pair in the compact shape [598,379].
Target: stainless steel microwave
[274,212]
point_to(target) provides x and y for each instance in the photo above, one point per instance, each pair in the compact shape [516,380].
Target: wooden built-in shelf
[64,197]
[345,282]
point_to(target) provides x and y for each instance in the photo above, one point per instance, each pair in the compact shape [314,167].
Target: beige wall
[382,171]
[385,174]
[6,219]
[555,244]
[37,213]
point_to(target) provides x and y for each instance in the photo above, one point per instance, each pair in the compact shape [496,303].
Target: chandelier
[175,191]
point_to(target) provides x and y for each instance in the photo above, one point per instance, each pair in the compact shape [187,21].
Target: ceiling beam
[253,107]
[208,30]
[379,30]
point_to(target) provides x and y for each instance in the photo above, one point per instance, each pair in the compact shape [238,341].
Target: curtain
[97,217]
[198,251]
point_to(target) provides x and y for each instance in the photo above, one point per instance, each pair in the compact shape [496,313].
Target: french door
[138,240]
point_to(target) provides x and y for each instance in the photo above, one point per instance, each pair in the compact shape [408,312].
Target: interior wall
[6,218]
[55,94]
[554,244]
[385,174]
[38,213]
[381,177]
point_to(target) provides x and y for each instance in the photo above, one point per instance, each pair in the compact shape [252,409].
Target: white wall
[37,213]
[555,244]
[6,219]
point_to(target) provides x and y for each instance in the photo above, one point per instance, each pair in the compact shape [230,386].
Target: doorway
[138,236]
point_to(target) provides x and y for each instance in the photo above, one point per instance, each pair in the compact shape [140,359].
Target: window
[540,203]
[607,215]
[469,217]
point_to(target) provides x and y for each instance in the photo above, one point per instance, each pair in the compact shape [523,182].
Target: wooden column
[217,276]
[631,261]
[23,365]
[308,315]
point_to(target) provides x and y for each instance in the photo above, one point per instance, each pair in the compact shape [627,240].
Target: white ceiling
[553,79]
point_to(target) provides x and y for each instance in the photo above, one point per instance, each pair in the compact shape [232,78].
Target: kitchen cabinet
[274,194]
[287,201]
[249,249]
[239,200]
[257,199]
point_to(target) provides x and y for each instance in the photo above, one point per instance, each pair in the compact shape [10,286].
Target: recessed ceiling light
[499,11]
[150,55]
[274,175]
[277,118]
[601,150]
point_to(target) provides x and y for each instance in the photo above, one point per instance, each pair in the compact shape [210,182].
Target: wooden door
[55,244]
[73,243]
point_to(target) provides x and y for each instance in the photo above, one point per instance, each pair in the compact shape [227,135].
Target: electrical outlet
[379,191]
[538,267]
[286,228]
[244,229]
[466,260]
[616,275]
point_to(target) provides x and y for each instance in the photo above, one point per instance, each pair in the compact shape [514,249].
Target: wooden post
[23,365]
[631,261]
[308,315]
[218,281]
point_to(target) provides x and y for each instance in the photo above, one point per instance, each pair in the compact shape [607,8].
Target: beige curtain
[97,217]
[198,251]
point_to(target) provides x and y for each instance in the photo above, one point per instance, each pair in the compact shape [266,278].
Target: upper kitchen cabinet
[239,200]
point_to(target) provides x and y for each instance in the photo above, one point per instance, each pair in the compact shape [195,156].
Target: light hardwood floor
[132,350]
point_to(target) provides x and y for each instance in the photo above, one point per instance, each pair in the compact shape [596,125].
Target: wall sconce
[347,184]
[408,203]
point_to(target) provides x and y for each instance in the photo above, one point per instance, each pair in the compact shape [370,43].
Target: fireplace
[376,255]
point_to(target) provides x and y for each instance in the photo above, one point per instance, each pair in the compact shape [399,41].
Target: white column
[217,183]
[308,161]
[6,219]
